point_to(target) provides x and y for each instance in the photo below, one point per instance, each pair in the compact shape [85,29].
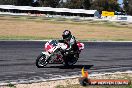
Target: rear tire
[70,60]
[41,61]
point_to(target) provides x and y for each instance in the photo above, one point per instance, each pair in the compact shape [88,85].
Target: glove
[68,49]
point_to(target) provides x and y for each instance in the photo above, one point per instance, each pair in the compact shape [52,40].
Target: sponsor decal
[84,80]
[107,13]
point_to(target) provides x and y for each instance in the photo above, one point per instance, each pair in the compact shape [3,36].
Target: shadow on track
[71,67]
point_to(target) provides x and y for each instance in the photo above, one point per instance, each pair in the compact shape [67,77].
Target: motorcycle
[55,53]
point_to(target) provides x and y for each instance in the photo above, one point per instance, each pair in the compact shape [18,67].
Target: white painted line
[110,73]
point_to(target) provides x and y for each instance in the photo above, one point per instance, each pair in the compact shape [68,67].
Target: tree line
[100,5]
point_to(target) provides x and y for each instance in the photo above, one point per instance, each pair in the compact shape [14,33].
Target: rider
[70,40]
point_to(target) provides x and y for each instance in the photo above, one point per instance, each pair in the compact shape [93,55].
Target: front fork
[47,56]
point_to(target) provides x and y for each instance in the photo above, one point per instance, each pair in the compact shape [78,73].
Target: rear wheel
[41,61]
[70,60]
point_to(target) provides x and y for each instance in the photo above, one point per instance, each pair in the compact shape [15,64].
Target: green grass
[11,85]
[50,38]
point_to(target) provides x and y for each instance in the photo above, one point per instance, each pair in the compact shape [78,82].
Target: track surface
[17,60]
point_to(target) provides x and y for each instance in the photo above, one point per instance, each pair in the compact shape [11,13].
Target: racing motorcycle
[56,53]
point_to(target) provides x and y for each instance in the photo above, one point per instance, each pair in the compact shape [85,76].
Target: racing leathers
[71,42]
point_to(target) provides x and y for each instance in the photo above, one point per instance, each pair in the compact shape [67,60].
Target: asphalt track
[17,60]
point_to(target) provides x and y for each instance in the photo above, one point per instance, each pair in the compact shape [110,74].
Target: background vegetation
[100,5]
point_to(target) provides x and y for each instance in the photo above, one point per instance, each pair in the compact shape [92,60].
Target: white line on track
[23,81]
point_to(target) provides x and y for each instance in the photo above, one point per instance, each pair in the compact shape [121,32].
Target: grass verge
[39,28]
[104,86]
[24,38]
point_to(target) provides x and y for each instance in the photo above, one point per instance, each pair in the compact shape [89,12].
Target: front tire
[41,61]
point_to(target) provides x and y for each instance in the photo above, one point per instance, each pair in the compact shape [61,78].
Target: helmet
[66,35]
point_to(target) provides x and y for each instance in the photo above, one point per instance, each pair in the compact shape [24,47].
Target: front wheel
[41,61]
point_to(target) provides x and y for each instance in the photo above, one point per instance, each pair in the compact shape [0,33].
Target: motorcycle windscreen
[49,45]
[53,43]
